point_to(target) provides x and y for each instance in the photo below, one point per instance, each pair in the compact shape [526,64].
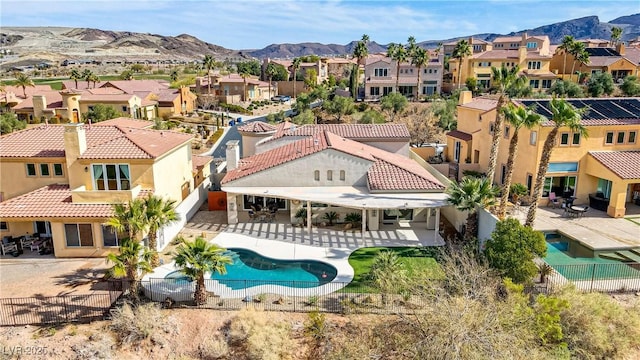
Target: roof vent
[315,141]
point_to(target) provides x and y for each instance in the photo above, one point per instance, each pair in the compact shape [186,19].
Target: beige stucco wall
[173,170]
[249,141]
[14,180]
[60,244]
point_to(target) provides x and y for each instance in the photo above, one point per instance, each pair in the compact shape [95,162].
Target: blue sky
[238,24]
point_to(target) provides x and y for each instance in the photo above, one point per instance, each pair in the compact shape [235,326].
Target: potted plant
[353,218]
[331,216]
[301,214]
[516,191]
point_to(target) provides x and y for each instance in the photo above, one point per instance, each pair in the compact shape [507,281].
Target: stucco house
[60,181]
[314,167]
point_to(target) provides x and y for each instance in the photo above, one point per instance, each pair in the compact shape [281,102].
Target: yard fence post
[593,276]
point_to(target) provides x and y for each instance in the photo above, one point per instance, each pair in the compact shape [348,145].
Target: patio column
[364,223]
[309,217]
[437,223]
[232,209]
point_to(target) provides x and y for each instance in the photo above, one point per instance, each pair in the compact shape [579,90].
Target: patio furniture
[576,211]
[553,200]
[252,216]
[38,245]
[26,241]
[598,201]
[8,245]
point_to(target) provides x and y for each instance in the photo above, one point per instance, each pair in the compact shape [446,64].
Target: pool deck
[595,229]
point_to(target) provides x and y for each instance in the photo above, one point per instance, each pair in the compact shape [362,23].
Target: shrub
[133,325]
[312,300]
[215,348]
[98,346]
[261,337]
[353,218]
[331,216]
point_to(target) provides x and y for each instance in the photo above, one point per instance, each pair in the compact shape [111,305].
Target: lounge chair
[8,245]
[553,200]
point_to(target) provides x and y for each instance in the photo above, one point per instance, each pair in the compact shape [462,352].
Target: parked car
[281,98]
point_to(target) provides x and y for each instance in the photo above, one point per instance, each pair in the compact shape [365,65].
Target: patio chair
[37,245]
[26,241]
[581,212]
[8,245]
[252,216]
[553,200]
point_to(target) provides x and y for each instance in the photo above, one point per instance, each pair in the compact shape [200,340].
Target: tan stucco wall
[14,180]
[60,244]
[171,171]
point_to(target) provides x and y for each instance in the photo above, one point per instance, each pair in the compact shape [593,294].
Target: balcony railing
[82,195]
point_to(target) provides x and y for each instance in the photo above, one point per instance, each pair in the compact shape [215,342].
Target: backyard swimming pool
[251,269]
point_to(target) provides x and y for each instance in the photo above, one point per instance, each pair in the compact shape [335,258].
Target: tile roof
[257,127]
[51,201]
[481,104]
[131,86]
[389,171]
[198,161]
[496,54]
[625,164]
[54,201]
[103,142]
[106,97]
[460,135]
[30,90]
[633,55]
[126,122]
[52,97]
[350,131]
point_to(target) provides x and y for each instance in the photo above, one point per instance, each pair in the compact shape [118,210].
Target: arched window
[316,175]
[342,176]
[330,175]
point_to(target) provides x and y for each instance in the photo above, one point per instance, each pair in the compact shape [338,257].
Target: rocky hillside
[294,50]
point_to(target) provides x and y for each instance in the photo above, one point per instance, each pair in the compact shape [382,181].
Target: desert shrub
[98,346]
[132,325]
[261,337]
[596,327]
[213,349]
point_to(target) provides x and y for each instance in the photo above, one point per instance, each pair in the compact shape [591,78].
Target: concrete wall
[171,171]
[286,88]
[486,224]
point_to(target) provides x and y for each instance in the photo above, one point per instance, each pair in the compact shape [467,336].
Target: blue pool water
[250,269]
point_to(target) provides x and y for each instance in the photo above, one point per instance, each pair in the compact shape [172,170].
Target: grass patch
[415,260]
[635,220]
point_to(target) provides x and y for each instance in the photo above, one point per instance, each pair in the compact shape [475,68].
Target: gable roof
[480,103]
[257,127]
[199,161]
[103,142]
[389,171]
[126,122]
[625,164]
[388,132]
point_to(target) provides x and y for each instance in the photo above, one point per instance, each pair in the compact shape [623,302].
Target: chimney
[524,38]
[39,105]
[465,97]
[620,49]
[233,154]
[75,142]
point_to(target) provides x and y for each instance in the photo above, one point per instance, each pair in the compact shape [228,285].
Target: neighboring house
[619,61]
[607,161]
[230,88]
[60,181]
[322,171]
[532,54]
[339,67]
[477,46]
[320,67]
[380,74]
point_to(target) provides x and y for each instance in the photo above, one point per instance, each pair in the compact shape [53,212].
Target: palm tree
[271,71]
[398,53]
[196,258]
[94,79]
[468,195]
[209,63]
[563,115]
[360,52]
[412,46]
[296,66]
[158,214]
[75,76]
[461,51]
[132,262]
[174,75]
[419,59]
[503,79]
[129,217]
[616,34]
[23,80]
[86,76]
[518,117]
[578,50]
[583,58]
[566,46]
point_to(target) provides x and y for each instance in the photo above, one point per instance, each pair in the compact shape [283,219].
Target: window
[620,138]
[534,83]
[374,91]
[111,177]
[506,131]
[342,175]
[330,175]
[532,45]
[632,137]
[90,107]
[124,109]
[529,182]
[110,237]
[576,139]
[456,152]
[503,174]
[316,175]
[533,65]
[609,138]
[604,187]
[380,72]
[78,235]
[564,139]
[546,84]
[44,170]
[4,226]
[563,167]
[484,64]
[263,202]
[562,186]
[57,170]
[533,137]
[491,128]
[31,169]
[387,90]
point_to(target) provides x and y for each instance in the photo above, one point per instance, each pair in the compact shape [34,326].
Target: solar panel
[602,52]
[630,105]
[597,108]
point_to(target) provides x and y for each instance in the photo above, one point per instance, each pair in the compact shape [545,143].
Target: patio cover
[347,196]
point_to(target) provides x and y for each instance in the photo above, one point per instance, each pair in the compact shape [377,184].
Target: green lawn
[415,260]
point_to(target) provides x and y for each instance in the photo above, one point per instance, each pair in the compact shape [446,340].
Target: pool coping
[279,250]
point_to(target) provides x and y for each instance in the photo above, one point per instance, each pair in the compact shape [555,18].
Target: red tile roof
[350,131]
[389,171]
[52,97]
[481,104]
[126,122]
[625,164]
[52,201]
[198,161]
[257,127]
[460,135]
[103,142]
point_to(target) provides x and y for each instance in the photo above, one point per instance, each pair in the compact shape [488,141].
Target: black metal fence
[43,310]
[614,277]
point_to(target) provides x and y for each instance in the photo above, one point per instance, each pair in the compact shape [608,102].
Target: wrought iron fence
[614,277]
[42,310]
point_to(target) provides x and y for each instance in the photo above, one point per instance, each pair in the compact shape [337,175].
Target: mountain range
[58,43]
